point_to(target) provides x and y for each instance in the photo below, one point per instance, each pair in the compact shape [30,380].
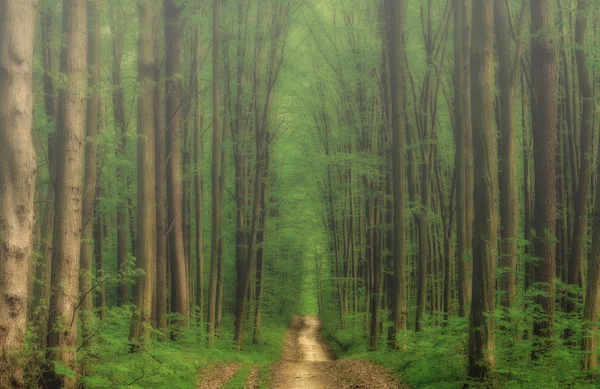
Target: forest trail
[308,364]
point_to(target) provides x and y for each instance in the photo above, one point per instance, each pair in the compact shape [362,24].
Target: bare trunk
[62,324]
[482,359]
[179,281]
[17,181]
[544,108]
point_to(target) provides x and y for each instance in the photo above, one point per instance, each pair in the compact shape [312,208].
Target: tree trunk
[485,241]
[217,199]
[544,109]
[396,56]
[585,172]
[99,258]
[139,332]
[42,286]
[90,173]
[17,181]
[198,182]
[462,102]
[179,281]
[62,324]
[118,35]
[160,166]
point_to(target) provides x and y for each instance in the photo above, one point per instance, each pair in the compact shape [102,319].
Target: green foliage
[170,365]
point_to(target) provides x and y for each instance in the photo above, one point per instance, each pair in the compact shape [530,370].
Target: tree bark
[17,181]
[90,173]
[217,199]
[544,109]
[62,324]
[139,332]
[396,58]
[482,359]
[179,281]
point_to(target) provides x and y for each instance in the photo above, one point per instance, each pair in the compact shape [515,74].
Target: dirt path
[307,364]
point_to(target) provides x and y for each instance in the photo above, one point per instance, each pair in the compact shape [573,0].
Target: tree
[217,195]
[90,171]
[17,181]
[396,55]
[508,74]
[544,108]
[485,247]
[146,200]
[62,323]
[179,280]
[462,138]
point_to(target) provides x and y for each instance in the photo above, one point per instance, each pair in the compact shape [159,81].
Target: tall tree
[62,323]
[485,246]
[396,56]
[118,102]
[217,196]
[90,171]
[508,73]
[462,109]
[17,181]
[585,160]
[179,281]
[544,108]
[146,196]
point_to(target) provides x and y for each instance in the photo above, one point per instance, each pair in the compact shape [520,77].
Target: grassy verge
[170,365]
[437,358]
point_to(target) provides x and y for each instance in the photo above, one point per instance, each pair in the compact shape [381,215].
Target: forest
[313,194]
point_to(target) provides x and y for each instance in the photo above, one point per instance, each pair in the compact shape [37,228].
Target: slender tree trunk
[62,324]
[17,181]
[118,35]
[485,241]
[99,258]
[90,173]
[216,173]
[160,166]
[198,182]
[42,287]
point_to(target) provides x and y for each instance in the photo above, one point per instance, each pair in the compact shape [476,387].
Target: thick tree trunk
[509,65]
[485,241]
[179,281]
[462,102]
[396,58]
[62,324]
[139,332]
[585,171]
[17,181]
[544,108]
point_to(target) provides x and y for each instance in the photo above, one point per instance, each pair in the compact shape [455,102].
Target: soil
[217,376]
[307,363]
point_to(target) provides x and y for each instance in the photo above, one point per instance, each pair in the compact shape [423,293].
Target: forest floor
[308,363]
